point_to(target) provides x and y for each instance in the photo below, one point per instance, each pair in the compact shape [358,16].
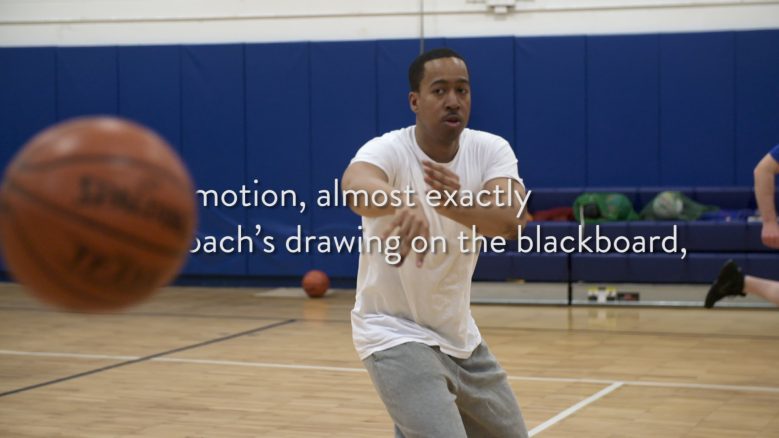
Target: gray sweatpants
[430,394]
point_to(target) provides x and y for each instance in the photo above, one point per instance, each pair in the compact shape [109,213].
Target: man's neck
[439,150]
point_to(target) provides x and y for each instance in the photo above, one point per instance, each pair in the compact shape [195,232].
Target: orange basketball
[96,214]
[316,283]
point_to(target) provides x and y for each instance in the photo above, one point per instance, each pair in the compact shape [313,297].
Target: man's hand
[770,234]
[443,180]
[408,223]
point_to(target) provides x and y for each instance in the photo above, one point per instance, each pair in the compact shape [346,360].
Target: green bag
[603,207]
[674,206]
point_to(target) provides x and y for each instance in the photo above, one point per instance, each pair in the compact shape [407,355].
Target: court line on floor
[140,359]
[157,358]
[163,314]
[573,409]
[636,332]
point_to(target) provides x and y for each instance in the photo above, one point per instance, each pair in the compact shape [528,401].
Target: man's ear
[413,101]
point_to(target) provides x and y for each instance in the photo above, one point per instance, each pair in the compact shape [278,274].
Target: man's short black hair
[417,69]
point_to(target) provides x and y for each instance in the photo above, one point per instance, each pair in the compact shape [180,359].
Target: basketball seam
[93,159]
[97,226]
[47,269]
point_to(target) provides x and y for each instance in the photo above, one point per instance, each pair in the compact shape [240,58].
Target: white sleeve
[380,154]
[501,163]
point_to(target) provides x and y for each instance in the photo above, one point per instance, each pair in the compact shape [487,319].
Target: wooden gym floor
[202,362]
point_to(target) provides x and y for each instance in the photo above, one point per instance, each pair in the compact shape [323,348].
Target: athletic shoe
[729,282]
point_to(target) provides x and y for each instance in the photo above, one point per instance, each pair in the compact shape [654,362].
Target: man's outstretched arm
[409,219]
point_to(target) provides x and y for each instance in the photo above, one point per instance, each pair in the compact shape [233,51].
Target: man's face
[443,102]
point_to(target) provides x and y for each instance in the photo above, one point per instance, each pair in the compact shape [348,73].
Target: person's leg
[766,289]
[417,390]
[485,398]
[731,281]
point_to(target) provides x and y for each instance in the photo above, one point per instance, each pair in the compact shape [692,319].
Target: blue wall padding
[697,108]
[551,114]
[492,82]
[628,113]
[87,81]
[757,99]
[392,60]
[28,96]
[214,143]
[343,118]
[623,110]
[150,88]
[278,147]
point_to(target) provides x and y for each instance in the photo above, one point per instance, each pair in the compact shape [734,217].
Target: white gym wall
[103,22]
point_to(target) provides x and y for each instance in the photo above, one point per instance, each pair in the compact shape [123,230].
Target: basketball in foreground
[96,214]
[316,283]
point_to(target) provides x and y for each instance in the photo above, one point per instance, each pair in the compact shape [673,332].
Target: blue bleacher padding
[278,148]
[762,265]
[150,88]
[726,197]
[87,82]
[608,232]
[657,268]
[704,267]
[530,233]
[550,89]
[757,105]
[716,236]
[697,108]
[599,267]
[540,266]
[661,229]
[493,267]
[213,143]
[622,110]
[543,199]
[754,243]
[528,239]
[559,229]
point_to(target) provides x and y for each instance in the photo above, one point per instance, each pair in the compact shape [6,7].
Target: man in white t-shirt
[411,323]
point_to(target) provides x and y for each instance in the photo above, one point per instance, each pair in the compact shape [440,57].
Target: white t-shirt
[431,304]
